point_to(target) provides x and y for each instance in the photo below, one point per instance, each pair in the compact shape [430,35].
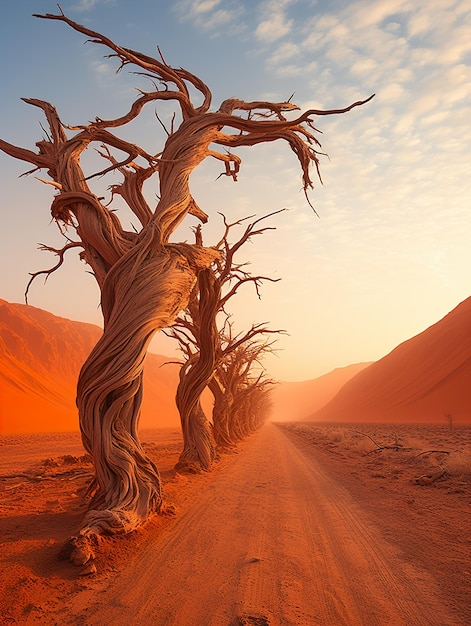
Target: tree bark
[221,412]
[140,296]
[195,374]
[145,281]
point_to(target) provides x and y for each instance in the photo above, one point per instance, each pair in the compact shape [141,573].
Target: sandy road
[269,538]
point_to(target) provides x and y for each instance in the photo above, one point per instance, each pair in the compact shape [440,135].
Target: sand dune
[41,355]
[295,400]
[421,380]
[40,358]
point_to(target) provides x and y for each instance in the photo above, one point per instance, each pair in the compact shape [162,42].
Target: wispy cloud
[204,6]
[283,52]
[272,29]
[397,179]
[274,23]
[215,16]
[88,5]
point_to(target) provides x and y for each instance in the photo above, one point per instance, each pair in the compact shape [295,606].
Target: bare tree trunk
[198,448]
[135,305]
[145,281]
[195,374]
[222,402]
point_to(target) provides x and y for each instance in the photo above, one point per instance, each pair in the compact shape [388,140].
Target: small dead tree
[145,280]
[449,419]
[251,407]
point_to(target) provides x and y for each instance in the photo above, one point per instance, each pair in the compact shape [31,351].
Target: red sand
[40,359]
[305,526]
[422,380]
[308,525]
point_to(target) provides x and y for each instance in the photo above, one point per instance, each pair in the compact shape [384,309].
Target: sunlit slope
[421,380]
[40,358]
[294,401]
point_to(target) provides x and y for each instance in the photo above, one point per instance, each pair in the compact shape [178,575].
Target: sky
[388,252]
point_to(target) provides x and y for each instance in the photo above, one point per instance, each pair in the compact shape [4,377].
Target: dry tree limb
[60,253]
[430,478]
[393,447]
[380,447]
[366,435]
[432,452]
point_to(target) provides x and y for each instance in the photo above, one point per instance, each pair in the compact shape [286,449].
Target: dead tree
[145,281]
[199,337]
[235,385]
[233,379]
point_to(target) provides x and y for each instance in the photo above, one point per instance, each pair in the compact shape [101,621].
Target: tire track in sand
[270,538]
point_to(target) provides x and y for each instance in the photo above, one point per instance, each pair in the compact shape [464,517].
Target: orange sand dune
[40,358]
[295,400]
[421,380]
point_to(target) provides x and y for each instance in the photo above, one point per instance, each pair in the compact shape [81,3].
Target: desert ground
[307,524]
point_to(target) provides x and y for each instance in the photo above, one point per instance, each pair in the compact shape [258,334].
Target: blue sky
[390,252]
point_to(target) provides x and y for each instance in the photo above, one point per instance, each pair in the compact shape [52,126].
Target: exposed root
[168,510]
[79,550]
[183,467]
[88,570]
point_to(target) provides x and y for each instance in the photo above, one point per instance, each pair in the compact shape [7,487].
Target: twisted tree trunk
[200,340]
[142,293]
[221,414]
[145,280]
[198,448]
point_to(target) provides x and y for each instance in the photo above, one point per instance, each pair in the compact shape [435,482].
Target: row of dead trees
[147,281]
[216,357]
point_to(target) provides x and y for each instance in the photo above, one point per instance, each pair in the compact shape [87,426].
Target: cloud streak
[218,17]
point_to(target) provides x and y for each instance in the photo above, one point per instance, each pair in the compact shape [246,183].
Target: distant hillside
[40,358]
[294,401]
[419,381]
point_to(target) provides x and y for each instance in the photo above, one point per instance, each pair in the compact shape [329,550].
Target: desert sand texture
[307,524]
[294,401]
[421,380]
[40,358]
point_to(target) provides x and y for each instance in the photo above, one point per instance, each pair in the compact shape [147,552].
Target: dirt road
[271,537]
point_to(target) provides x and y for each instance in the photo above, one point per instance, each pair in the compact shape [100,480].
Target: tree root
[380,447]
[168,510]
[226,449]
[185,467]
[432,452]
[79,549]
